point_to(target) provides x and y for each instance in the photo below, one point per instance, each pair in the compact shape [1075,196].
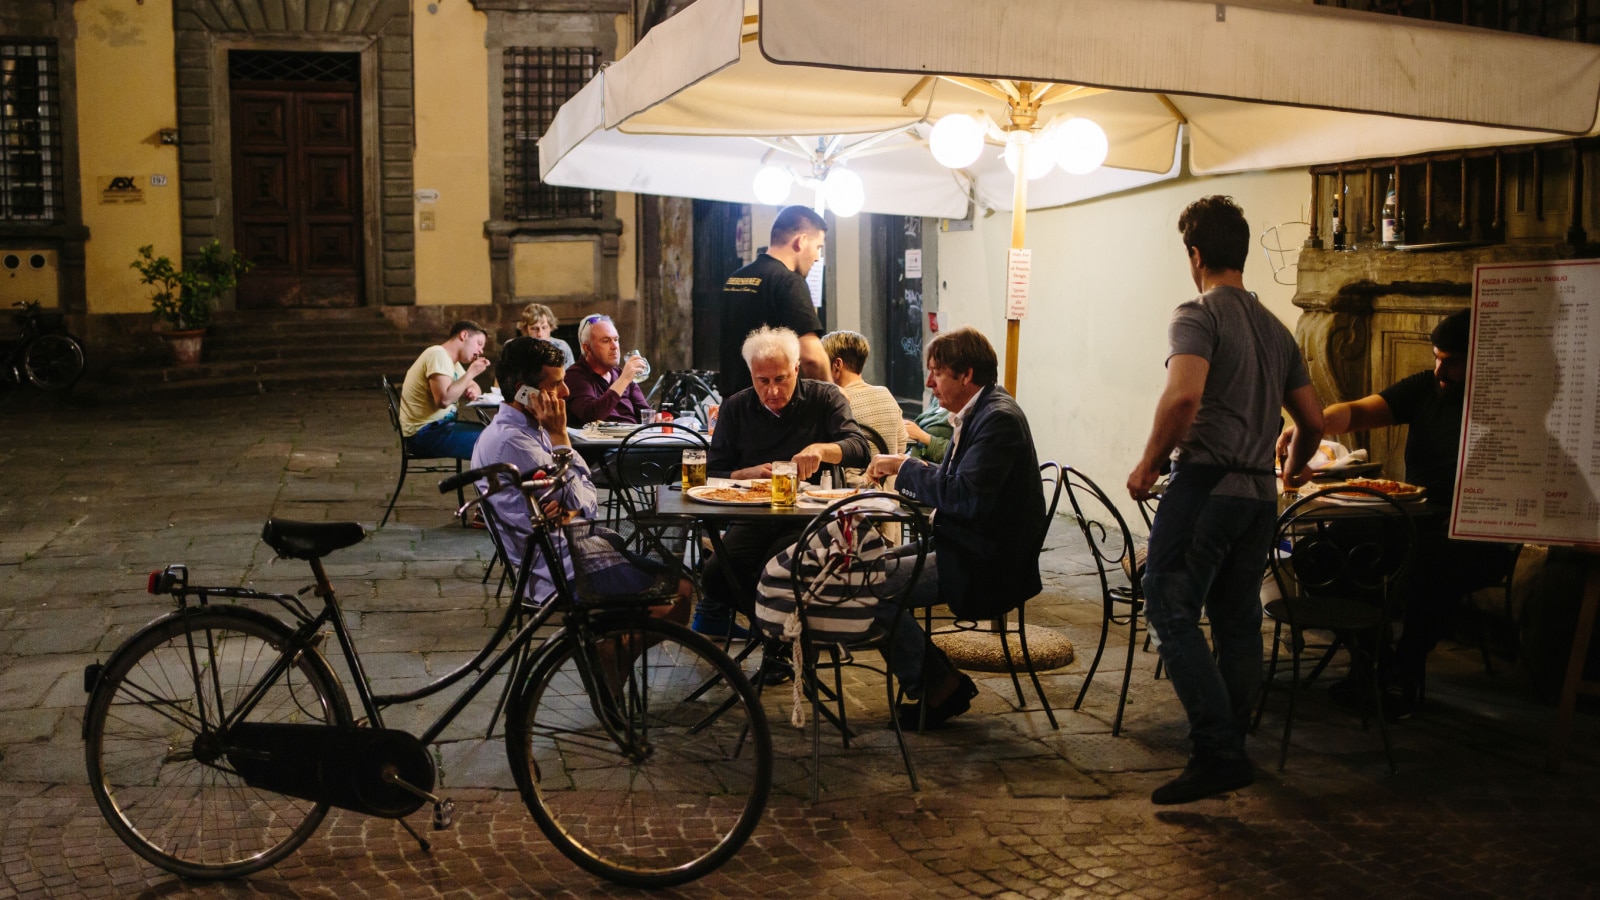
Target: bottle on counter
[1391,215]
[1338,226]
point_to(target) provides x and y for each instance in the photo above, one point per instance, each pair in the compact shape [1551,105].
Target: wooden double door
[297,194]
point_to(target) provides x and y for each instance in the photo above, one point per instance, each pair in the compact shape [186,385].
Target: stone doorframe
[205,165]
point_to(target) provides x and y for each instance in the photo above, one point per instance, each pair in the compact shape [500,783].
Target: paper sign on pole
[1019,267]
[1529,469]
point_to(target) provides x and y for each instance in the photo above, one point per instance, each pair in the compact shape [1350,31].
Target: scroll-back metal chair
[1121,579]
[1051,482]
[650,459]
[1342,573]
[409,463]
[839,574]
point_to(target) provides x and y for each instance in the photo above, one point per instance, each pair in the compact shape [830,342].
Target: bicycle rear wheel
[53,362]
[676,783]
[157,762]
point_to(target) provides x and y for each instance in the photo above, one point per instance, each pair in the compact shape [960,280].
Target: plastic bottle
[1338,227]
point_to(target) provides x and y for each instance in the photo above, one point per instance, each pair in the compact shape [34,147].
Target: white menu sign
[1530,435]
[1019,266]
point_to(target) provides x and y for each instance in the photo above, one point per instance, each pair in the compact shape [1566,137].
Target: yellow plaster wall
[552,268]
[452,156]
[126,94]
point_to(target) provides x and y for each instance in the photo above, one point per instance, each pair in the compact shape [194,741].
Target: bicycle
[49,360]
[218,736]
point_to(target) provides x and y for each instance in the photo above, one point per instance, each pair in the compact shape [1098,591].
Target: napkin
[1348,461]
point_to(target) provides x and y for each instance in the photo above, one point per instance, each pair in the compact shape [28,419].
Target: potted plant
[184,299]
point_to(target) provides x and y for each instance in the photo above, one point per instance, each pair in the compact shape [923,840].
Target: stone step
[210,384]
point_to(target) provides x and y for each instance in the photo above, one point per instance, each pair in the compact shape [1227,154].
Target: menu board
[1530,435]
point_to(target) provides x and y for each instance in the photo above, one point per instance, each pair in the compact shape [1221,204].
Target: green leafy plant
[184,299]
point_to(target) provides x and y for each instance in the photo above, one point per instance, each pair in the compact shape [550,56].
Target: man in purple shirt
[602,385]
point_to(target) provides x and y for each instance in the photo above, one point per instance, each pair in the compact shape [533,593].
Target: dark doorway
[897,241]
[716,256]
[296,121]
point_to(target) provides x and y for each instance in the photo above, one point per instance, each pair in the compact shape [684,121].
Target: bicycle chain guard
[341,766]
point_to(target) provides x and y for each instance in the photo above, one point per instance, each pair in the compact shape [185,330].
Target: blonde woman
[539,322]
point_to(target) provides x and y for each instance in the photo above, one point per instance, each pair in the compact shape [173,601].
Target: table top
[671,501]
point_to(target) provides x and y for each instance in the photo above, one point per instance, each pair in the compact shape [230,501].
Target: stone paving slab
[1009,808]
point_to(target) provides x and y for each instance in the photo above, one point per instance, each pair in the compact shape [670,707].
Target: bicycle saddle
[310,540]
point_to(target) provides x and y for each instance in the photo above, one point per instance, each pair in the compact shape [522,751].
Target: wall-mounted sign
[427,195]
[120,189]
[158,181]
[914,263]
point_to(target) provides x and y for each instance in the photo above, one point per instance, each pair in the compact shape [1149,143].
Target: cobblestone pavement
[92,498]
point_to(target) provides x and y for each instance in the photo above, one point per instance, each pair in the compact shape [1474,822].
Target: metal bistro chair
[650,459]
[832,580]
[1342,572]
[1111,543]
[437,465]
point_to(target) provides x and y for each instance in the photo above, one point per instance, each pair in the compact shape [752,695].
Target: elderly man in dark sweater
[782,417]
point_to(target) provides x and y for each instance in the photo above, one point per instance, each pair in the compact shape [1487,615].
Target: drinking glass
[644,366]
[694,468]
[784,493]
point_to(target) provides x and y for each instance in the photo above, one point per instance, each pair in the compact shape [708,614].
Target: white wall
[1106,277]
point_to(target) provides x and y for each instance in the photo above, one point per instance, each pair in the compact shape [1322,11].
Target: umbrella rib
[1172,108]
[982,87]
[919,87]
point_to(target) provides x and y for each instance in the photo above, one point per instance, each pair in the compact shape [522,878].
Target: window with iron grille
[30,133]
[537,81]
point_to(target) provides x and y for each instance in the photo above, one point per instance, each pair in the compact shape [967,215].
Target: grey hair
[587,323]
[772,343]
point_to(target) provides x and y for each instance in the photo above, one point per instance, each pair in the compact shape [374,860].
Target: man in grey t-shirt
[1232,367]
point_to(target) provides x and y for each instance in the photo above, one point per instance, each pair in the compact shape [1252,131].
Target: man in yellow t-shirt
[442,375]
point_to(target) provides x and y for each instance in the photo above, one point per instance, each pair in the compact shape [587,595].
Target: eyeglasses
[592,319]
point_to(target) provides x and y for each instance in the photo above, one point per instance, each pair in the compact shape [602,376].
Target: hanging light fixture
[1041,153]
[844,191]
[1080,146]
[956,141]
[772,184]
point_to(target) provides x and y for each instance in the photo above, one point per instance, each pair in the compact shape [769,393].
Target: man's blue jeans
[1214,556]
[446,437]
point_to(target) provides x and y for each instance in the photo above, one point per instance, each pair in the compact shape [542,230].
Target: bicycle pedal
[444,814]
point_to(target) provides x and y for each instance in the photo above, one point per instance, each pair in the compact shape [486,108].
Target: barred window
[537,81]
[30,132]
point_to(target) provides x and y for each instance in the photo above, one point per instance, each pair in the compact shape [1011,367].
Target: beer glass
[694,468]
[784,489]
[644,366]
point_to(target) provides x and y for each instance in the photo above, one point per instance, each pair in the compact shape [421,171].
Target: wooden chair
[438,465]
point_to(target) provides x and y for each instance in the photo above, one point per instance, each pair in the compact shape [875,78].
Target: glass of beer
[694,468]
[784,489]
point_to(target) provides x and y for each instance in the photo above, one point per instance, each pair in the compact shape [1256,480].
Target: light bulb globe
[844,191]
[1081,146]
[956,141]
[772,185]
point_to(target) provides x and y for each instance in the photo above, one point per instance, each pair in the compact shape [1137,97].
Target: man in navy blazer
[988,524]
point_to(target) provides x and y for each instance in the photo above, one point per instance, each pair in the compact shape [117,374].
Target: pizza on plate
[734,494]
[831,494]
[1399,490]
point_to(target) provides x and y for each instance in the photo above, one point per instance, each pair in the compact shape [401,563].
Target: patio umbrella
[1257,85]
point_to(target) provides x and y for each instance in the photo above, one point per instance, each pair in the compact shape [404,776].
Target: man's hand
[884,467]
[557,514]
[762,471]
[472,391]
[915,432]
[1140,480]
[1291,480]
[808,461]
[550,411]
[477,367]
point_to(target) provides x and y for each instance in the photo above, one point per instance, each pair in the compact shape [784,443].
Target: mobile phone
[525,395]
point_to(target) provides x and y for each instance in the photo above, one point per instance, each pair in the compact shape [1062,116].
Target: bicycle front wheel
[158,767]
[53,362]
[662,774]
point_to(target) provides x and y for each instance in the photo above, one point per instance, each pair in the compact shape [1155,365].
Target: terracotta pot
[184,346]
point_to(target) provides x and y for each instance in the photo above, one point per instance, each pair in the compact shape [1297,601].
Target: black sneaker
[1205,777]
[959,701]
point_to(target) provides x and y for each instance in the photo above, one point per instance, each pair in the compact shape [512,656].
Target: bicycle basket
[605,573]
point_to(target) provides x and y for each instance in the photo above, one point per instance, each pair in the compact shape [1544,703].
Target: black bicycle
[218,736]
[49,360]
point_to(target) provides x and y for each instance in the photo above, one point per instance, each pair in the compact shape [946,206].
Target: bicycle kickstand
[444,810]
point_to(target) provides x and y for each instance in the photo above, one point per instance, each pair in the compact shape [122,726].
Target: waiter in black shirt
[1443,571]
[772,292]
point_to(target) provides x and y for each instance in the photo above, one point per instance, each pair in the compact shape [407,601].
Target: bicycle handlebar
[501,476]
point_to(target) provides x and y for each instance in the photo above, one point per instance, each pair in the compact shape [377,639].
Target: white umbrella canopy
[901,177]
[1257,85]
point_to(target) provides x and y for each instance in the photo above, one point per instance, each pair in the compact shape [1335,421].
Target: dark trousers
[746,549]
[1443,573]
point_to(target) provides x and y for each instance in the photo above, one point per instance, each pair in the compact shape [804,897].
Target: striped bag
[842,580]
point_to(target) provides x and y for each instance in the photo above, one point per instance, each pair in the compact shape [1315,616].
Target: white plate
[828,495]
[698,494]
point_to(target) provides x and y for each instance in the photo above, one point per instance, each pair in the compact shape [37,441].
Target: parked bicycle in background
[50,360]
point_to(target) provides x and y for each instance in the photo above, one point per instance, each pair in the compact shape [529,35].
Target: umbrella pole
[1019,223]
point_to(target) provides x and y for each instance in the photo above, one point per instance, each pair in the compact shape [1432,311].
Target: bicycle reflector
[154,585]
[165,580]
